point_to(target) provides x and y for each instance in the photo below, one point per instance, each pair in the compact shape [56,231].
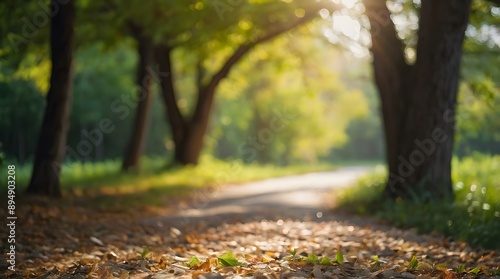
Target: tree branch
[206,93]
[246,47]
[177,122]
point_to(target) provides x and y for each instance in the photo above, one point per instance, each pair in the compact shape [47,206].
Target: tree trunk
[389,68]
[145,80]
[418,101]
[188,135]
[188,151]
[177,124]
[53,134]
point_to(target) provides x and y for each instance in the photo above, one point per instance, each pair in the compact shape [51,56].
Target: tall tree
[189,131]
[144,85]
[198,26]
[126,21]
[53,133]
[418,100]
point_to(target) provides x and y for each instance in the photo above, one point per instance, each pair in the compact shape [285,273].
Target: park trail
[303,197]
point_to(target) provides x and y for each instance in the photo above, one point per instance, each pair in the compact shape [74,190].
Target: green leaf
[228,259]
[413,263]
[375,263]
[325,261]
[194,261]
[461,268]
[293,256]
[145,252]
[475,270]
[339,257]
[311,258]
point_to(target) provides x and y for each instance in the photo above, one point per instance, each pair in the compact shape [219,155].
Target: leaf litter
[69,241]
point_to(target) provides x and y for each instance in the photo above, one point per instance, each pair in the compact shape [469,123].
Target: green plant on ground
[413,264]
[474,215]
[228,259]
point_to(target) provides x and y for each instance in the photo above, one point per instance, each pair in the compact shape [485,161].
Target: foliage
[144,252]
[474,216]
[104,83]
[315,259]
[478,128]
[194,261]
[285,77]
[228,259]
[20,117]
[334,103]
[479,98]
[23,32]
[103,89]
[365,134]
[413,264]
[339,257]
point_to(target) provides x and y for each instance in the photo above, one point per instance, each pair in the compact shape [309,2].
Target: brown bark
[53,133]
[178,125]
[389,68]
[418,102]
[188,134]
[145,80]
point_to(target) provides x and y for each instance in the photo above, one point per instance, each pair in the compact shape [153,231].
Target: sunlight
[347,30]
[347,26]
[349,3]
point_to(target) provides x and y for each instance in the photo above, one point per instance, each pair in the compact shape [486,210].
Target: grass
[474,216]
[363,163]
[103,185]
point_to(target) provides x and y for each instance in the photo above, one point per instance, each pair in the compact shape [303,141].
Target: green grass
[474,216]
[363,163]
[104,185]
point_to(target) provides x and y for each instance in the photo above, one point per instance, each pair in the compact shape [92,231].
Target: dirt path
[300,197]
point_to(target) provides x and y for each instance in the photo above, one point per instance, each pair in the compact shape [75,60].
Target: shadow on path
[305,197]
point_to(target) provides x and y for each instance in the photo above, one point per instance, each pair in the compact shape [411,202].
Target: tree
[114,23]
[51,144]
[240,26]
[418,99]
[166,23]
[144,85]
[189,131]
